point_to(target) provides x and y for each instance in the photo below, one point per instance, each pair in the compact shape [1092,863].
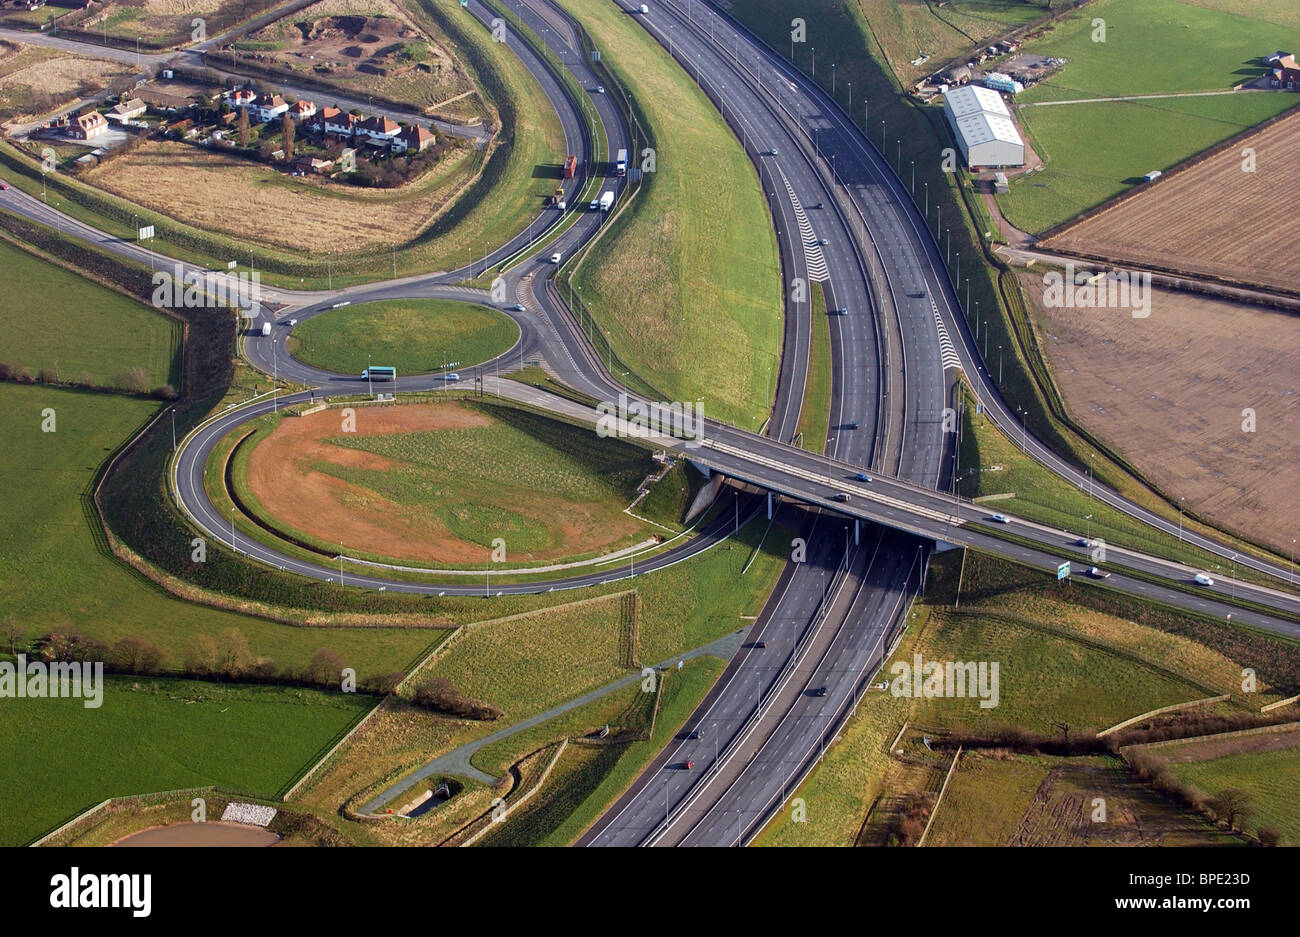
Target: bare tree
[235,657]
[288,129]
[326,667]
[1230,805]
[245,131]
[11,632]
[136,655]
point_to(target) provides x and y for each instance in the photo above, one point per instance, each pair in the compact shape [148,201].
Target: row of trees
[130,381]
[1228,807]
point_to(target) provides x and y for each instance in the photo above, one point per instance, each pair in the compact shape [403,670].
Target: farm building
[127,109]
[985,133]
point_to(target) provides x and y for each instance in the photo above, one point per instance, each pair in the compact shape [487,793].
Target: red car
[3,185]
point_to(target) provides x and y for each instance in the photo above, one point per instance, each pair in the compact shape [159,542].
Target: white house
[268,107]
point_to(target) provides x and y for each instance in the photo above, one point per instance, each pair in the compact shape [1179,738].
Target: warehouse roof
[981,116]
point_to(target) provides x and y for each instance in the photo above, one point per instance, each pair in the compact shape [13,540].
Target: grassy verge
[815,417]
[699,232]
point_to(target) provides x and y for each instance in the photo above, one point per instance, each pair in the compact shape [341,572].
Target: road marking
[811,249]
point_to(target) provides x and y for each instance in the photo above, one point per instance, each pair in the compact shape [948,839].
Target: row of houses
[377,130]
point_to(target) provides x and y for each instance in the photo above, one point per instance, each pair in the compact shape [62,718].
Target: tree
[326,667]
[234,657]
[11,633]
[243,127]
[1269,836]
[136,655]
[1230,805]
[288,129]
[201,657]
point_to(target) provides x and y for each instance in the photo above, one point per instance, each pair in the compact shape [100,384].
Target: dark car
[760,644]
[694,735]
[862,477]
[853,424]
[820,691]
[818,205]
[840,496]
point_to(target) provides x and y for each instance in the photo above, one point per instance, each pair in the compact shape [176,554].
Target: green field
[1095,151]
[154,735]
[688,285]
[1271,779]
[91,335]
[54,569]
[415,336]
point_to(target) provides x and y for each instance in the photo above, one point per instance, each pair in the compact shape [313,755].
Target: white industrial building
[985,132]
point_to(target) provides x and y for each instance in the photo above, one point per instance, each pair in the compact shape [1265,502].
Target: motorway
[834,615]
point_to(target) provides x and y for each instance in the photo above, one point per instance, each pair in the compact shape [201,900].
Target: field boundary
[347,737]
[938,800]
[1161,711]
[1237,733]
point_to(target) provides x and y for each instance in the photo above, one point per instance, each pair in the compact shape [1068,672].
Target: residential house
[268,107]
[301,110]
[413,139]
[379,130]
[336,122]
[242,97]
[89,125]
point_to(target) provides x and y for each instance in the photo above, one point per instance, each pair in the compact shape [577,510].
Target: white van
[1203,580]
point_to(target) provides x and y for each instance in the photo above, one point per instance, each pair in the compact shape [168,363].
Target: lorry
[570,166]
[620,164]
[266,328]
[606,201]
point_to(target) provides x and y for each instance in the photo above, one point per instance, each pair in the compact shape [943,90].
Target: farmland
[1270,775]
[694,267]
[55,571]
[1194,221]
[1096,150]
[1168,391]
[415,336]
[93,336]
[439,483]
[165,734]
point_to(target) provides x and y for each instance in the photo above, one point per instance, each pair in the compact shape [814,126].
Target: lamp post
[1180,520]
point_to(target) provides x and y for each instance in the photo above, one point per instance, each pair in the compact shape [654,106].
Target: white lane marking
[947,352]
[811,249]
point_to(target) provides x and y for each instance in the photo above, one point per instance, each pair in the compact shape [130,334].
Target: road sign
[145,233]
[232,265]
[1063,571]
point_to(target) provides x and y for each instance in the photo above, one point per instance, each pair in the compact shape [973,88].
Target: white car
[453,376]
[1203,580]
[1000,519]
[555,258]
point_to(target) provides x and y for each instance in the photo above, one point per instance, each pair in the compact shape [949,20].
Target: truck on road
[266,328]
[570,166]
[620,164]
[606,201]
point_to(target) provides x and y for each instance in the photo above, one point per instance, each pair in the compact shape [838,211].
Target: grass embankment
[57,322]
[56,571]
[516,177]
[415,336]
[1270,778]
[687,282]
[815,417]
[864,40]
[1095,151]
[155,734]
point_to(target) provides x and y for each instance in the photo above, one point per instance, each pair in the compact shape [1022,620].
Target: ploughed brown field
[1214,219]
[1168,391]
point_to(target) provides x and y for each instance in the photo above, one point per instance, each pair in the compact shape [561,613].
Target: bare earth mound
[1169,393]
[201,834]
[1214,219]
